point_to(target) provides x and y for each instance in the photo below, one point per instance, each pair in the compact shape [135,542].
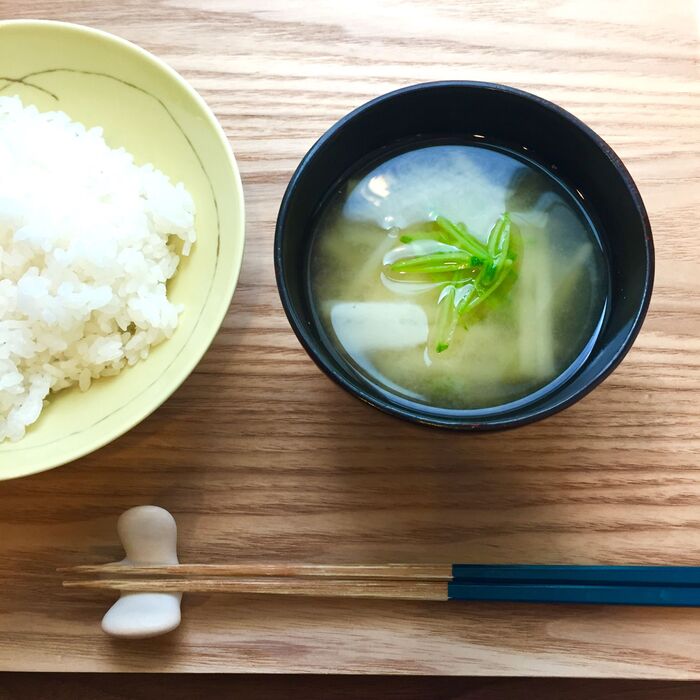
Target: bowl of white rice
[121,239]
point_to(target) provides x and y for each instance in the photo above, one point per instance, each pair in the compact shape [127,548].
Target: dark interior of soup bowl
[550,136]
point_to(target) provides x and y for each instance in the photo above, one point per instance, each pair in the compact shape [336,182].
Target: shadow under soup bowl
[464,255]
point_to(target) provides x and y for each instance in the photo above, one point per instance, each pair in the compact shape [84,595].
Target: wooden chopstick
[333,588]
[597,594]
[396,581]
[395,572]
[611,585]
[626,575]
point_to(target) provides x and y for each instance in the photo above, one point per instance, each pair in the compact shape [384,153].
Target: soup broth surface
[532,333]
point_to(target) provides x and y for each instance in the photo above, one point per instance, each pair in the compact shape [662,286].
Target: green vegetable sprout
[468,270]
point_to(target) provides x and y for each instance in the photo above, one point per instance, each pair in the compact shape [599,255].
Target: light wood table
[260,457]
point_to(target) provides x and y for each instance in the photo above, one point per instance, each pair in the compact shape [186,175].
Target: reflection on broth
[458,277]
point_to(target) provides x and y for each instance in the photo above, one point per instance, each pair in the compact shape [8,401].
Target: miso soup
[459,277]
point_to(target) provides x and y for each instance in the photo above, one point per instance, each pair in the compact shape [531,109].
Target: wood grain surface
[261,458]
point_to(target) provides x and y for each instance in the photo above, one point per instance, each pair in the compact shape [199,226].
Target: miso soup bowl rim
[522,415]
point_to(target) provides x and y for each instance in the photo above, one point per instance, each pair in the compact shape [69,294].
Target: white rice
[85,253]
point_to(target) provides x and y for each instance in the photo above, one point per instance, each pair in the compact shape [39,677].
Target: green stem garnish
[463,239]
[452,259]
[496,233]
[447,318]
[503,273]
[476,270]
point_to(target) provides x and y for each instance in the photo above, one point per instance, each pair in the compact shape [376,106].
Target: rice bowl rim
[217,307]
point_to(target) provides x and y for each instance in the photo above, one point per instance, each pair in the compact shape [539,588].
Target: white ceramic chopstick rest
[149,537]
